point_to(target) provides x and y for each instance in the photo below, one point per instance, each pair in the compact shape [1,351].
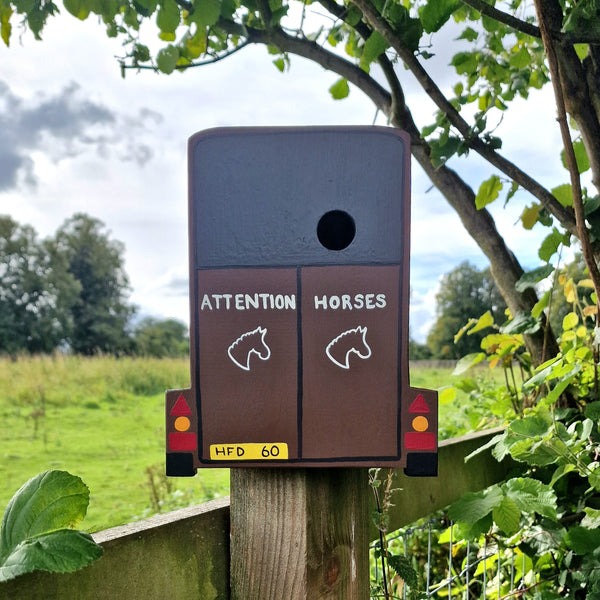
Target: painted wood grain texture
[299,534]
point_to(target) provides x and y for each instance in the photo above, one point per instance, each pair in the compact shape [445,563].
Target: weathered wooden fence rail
[186,554]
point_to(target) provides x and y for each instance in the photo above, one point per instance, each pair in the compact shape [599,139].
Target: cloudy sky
[76,137]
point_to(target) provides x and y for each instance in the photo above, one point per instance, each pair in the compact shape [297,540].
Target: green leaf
[476,530]
[594,479]
[228,8]
[529,427]
[581,50]
[561,472]
[166,59]
[340,89]
[409,30]
[591,204]
[78,8]
[436,13]
[532,453]
[466,362]
[36,526]
[529,216]
[582,540]
[555,394]
[570,320]
[521,324]
[468,34]
[374,47]
[168,16]
[486,320]
[533,277]
[475,505]
[61,551]
[592,411]
[206,12]
[541,305]
[144,7]
[507,516]
[446,395]
[465,63]
[550,244]
[583,162]
[591,519]
[531,495]
[564,194]
[5,26]
[488,192]
[520,59]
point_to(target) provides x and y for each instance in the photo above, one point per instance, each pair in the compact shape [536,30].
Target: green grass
[103,420]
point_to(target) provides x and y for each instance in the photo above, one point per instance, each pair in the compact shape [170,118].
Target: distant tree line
[69,293]
[465,292]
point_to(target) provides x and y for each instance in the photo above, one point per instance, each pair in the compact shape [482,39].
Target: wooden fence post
[299,534]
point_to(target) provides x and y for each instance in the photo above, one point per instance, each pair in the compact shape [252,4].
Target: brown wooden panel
[248,346]
[350,400]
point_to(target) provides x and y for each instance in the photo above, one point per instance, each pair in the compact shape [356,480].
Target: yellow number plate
[268,451]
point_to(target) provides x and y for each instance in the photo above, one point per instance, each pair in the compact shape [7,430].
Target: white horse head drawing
[349,342]
[249,343]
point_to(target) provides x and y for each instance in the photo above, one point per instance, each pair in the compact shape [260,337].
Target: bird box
[299,293]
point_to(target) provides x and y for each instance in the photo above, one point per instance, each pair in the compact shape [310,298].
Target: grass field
[103,420]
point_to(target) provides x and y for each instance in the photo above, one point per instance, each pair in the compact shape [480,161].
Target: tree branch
[474,142]
[200,63]
[571,161]
[579,37]
[489,11]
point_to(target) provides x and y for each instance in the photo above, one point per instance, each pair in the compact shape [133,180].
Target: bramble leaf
[37,527]
[582,540]
[507,516]
[531,495]
[474,506]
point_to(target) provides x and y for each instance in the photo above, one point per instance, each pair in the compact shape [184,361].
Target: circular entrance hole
[336,230]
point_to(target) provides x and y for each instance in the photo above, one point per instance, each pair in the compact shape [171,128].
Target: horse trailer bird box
[299,294]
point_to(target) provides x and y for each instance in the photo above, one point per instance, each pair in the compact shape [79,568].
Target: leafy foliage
[550,513]
[37,530]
